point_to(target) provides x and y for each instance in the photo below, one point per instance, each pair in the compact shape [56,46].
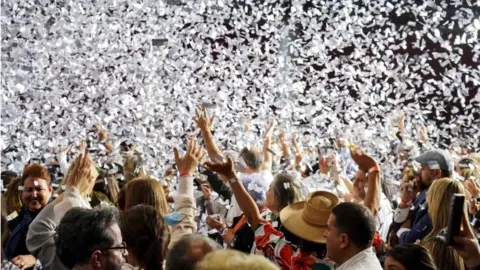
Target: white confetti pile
[139,68]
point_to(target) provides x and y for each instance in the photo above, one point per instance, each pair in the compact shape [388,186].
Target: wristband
[185,175]
[232,180]
[373,169]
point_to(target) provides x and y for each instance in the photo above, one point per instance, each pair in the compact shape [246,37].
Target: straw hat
[308,219]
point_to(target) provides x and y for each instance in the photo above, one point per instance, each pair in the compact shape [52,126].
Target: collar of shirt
[365,259]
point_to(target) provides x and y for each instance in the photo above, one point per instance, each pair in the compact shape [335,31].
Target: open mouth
[34,202]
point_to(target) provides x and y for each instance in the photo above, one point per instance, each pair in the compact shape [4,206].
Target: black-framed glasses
[122,247]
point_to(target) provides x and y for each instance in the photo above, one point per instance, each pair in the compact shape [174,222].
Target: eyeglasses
[123,247]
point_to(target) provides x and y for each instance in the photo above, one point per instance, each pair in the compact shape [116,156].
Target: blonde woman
[230,260]
[439,198]
[79,183]
[469,171]
[445,257]
[146,190]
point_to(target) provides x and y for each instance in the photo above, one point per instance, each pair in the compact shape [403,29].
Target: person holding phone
[411,220]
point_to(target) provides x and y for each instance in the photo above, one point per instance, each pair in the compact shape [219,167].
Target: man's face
[334,240]
[427,176]
[114,258]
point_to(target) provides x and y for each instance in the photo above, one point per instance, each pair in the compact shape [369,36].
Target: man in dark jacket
[411,220]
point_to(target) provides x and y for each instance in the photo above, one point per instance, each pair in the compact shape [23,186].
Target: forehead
[331,220]
[35,181]
[114,230]
[424,167]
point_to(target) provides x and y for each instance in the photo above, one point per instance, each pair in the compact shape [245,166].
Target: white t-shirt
[384,217]
[235,210]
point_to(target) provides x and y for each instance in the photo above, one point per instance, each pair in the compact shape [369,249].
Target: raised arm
[267,155]
[401,123]
[368,165]
[205,124]
[285,148]
[40,237]
[103,138]
[185,201]
[246,203]
[336,173]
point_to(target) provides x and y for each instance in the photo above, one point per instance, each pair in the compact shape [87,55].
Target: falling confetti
[139,68]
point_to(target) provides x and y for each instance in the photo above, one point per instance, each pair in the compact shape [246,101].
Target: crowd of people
[252,209]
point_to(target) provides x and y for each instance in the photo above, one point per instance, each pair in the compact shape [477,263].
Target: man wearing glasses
[91,239]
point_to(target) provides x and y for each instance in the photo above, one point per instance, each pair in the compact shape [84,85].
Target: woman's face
[36,193]
[392,264]
[359,184]
[270,200]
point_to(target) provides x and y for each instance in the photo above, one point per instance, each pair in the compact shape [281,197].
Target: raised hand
[271,127]
[246,125]
[224,168]
[206,192]
[364,161]
[297,150]
[187,164]
[65,150]
[401,121]
[408,192]
[215,222]
[467,245]
[81,173]
[102,134]
[472,187]
[423,133]
[204,122]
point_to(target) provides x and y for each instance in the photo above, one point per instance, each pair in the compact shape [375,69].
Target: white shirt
[364,260]
[384,217]
[235,210]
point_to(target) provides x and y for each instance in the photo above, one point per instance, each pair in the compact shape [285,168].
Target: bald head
[188,251]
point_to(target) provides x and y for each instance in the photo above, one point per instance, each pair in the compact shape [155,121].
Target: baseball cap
[436,159]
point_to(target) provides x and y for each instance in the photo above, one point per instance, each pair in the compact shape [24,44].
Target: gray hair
[188,251]
[81,232]
[253,158]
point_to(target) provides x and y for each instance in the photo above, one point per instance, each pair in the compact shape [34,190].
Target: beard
[422,186]
[422,183]
[112,265]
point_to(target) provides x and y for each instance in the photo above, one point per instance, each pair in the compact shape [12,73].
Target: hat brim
[422,159]
[292,220]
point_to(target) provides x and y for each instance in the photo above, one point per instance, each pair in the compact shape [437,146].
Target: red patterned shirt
[272,244]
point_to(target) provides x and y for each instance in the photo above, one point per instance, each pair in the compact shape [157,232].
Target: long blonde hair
[227,259]
[146,190]
[439,198]
[445,257]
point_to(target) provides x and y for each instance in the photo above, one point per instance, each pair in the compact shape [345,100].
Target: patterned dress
[272,244]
